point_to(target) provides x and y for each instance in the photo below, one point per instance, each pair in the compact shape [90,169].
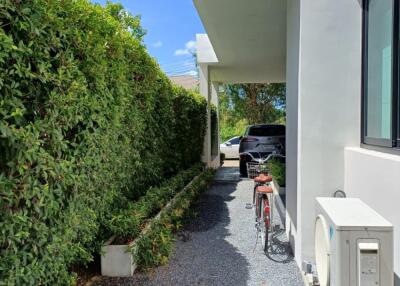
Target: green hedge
[86,118]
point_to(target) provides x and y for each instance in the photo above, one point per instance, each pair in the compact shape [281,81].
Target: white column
[204,87]
[215,159]
[208,90]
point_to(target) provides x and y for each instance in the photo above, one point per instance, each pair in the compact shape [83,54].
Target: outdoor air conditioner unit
[353,244]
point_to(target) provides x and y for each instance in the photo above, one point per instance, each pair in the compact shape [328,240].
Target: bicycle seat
[263,179]
[264,189]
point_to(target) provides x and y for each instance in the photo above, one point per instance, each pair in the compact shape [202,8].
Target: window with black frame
[380,79]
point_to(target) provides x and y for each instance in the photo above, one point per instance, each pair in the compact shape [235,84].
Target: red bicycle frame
[267,212]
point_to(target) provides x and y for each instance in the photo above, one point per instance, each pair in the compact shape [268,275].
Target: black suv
[261,140]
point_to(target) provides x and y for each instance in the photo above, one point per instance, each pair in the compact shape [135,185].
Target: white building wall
[292,88]
[374,177]
[328,103]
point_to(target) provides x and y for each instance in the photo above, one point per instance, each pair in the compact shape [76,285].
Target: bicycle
[263,196]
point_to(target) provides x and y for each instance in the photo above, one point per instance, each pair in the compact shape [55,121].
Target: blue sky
[171,30]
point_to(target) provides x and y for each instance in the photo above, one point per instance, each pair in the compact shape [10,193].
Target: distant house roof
[185,81]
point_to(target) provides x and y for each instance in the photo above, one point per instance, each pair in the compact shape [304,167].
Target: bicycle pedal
[249,206]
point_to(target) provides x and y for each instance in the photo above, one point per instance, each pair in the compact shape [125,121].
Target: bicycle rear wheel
[265,222]
[258,206]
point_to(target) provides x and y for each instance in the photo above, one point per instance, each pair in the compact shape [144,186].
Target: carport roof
[246,39]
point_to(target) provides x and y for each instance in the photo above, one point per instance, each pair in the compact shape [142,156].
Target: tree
[250,103]
[128,21]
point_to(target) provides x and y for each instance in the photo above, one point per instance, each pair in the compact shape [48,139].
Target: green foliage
[277,169]
[231,129]
[128,223]
[189,130]
[87,119]
[154,248]
[244,104]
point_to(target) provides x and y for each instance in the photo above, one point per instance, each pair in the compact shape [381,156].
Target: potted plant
[278,171]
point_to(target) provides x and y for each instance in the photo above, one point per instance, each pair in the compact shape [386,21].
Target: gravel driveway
[218,247]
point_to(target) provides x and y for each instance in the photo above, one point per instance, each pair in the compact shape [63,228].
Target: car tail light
[249,139]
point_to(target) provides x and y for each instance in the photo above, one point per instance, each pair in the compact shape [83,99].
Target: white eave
[205,51]
[245,41]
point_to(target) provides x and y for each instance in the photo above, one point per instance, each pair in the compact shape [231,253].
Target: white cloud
[190,48]
[191,45]
[181,52]
[158,44]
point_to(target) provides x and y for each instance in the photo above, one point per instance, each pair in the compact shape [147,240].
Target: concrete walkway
[219,246]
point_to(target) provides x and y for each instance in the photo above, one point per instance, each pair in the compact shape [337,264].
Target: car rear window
[265,130]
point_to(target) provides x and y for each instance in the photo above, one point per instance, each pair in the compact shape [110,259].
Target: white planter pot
[280,190]
[278,201]
[117,260]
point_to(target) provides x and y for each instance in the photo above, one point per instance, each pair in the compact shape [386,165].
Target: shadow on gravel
[227,174]
[279,249]
[210,211]
[205,257]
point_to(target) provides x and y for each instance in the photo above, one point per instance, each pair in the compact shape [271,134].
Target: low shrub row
[128,223]
[88,121]
[154,248]
[278,170]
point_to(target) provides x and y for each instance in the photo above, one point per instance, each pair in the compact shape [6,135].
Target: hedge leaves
[86,117]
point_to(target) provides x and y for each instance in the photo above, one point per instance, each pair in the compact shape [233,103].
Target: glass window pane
[267,130]
[235,141]
[379,73]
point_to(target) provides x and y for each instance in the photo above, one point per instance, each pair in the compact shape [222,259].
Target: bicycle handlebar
[265,159]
